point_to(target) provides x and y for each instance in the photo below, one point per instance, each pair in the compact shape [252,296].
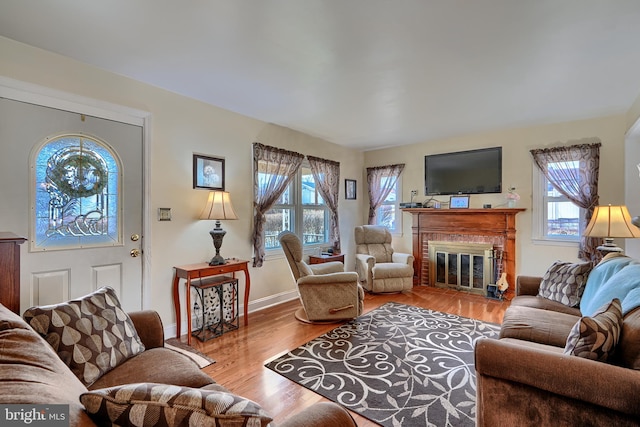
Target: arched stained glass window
[77,194]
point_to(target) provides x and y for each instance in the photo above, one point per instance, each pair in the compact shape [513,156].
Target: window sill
[273,254]
[554,242]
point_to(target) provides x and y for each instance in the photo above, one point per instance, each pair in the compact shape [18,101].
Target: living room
[211,130]
[178,126]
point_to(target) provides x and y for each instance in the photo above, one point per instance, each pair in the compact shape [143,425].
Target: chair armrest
[321,414]
[364,266]
[527,285]
[366,259]
[327,267]
[590,381]
[148,324]
[342,277]
[402,258]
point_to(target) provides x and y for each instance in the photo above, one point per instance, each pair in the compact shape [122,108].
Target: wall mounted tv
[464,172]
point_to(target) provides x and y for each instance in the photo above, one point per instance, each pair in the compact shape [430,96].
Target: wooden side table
[193,271]
[315,259]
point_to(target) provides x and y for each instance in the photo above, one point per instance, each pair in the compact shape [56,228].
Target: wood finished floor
[241,355]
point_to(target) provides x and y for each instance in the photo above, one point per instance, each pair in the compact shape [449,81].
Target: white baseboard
[256,305]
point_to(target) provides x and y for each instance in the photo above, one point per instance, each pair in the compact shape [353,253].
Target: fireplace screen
[462,266]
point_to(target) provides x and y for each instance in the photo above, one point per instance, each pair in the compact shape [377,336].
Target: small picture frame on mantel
[459,202]
[350,189]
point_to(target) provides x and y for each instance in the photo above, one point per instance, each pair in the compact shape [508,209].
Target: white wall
[632,180]
[532,259]
[633,114]
[179,127]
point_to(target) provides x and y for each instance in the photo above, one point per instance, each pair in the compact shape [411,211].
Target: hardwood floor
[241,355]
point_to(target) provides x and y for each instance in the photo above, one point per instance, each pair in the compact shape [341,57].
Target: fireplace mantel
[464,225]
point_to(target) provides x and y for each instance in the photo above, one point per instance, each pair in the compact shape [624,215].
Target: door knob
[134,253]
[135,237]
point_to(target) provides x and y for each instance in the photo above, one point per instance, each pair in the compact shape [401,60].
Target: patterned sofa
[133,379]
[562,365]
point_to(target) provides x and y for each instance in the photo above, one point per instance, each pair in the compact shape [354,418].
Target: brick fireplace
[494,227]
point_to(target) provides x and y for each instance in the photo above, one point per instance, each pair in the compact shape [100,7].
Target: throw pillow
[149,404]
[596,337]
[92,334]
[564,282]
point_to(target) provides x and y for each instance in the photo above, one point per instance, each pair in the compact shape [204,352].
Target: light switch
[164,214]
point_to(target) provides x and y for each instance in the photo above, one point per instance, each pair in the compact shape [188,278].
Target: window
[573,170]
[558,218]
[76,199]
[384,188]
[388,212]
[299,209]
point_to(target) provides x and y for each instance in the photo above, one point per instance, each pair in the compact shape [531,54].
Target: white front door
[51,272]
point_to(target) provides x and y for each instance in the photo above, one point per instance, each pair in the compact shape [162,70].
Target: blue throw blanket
[616,277]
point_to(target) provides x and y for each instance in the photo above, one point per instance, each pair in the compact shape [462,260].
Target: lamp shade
[218,207]
[611,221]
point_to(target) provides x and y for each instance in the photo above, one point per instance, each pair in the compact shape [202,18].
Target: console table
[201,270]
[463,225]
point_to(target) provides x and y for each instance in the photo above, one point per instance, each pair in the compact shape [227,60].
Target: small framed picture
[459,202]
[208,172]
[350,189]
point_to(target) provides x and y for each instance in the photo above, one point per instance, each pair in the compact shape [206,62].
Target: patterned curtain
[326,173]
[278,168]
[379,189]
[580,185]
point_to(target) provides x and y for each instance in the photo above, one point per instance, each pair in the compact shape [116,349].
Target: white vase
[511,203]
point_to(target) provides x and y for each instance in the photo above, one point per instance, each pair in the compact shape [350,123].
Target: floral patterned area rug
[397,365]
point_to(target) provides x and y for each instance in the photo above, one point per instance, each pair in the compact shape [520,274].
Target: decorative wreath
[63,172]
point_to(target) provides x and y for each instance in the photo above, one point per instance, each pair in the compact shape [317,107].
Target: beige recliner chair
[327,292]
[379,267]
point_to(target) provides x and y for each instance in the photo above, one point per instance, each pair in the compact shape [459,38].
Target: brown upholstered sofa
[32,373]
[526,379]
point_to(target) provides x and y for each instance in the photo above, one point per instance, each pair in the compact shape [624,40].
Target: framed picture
[459,202]
[350,189]
[208,172]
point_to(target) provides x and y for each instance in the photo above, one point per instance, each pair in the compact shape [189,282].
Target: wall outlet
[414,192]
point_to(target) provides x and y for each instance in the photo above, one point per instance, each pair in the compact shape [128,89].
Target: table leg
[188,310]
[176,302]
[247,289]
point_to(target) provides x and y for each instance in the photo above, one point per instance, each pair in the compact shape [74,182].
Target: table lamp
[218,207]
[610,222]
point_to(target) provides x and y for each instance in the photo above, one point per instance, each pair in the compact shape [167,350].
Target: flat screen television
[464,172]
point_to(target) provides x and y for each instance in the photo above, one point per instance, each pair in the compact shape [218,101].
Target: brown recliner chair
[327,292]
[380,268]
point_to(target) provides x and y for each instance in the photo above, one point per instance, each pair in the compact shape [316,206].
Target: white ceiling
[360,73]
